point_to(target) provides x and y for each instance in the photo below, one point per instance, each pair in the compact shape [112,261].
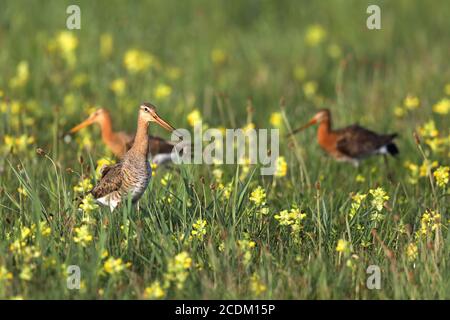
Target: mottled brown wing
[110,181]
[158,145]
[357,142]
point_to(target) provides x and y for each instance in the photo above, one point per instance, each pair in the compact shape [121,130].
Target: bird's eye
[146,109]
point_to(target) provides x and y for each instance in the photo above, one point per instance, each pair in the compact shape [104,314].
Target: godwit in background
[120,142]
[352,143]
[130,177]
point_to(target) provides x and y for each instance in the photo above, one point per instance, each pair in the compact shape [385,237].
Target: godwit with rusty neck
[120,142]
[351,144]
[130,177]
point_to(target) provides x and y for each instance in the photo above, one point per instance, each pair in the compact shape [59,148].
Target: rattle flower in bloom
[412,252]
[257,287]
[118,86]
[114,266]
[177,270]
[82,235]
[430,221]
[258,196]
[411,102]
[218,56]
[276,119]
[194,118]
[137,61]
[154,291]
[83,186]
[379,197]
[281,167]
[442,107]
[5,274]
[292,218]
[441,175]
[199,229]
[315,34]
[88,204]
[342,246]
[22,75]
[162,91]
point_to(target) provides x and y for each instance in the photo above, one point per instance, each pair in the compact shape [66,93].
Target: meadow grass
[201,231]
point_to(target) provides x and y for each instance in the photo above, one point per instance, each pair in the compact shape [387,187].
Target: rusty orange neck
[140,145]
[325,135]
[106,127]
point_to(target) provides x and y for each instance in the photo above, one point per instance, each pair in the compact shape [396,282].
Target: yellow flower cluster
[412,251]
[194,118]
[17,144]
[342,246]
[257,287]
[177,270]
[442,106]
[292,218]
[218,56]
[357,198]
[281,167]
[154,291]
[430,221]
[441,175]
[82,236]
[115,266]
[258,196]
[88,204]
[83,186]
[22,75]
[137,61]
[162,91]
[245,248]
[118,86]
[198,230]
[315,34]
[276,119]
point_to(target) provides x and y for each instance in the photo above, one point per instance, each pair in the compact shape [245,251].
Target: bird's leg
[390,176]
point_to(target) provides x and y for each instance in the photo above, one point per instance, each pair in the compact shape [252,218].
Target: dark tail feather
[392,149]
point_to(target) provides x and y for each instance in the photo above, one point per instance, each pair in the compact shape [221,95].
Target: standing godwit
[120,142]
[352,143]
[132,174]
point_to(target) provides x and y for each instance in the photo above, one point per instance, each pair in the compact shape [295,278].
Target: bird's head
[98,116]
[147,113]
[321,115]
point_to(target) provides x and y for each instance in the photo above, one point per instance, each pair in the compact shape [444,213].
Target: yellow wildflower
[357,198]
[342,246]
[379,197]
[218,56]
[292,218]
[281,167]
[426,167]
[154,291]
[138,61]
[106,45]
[430,221]
[442,107]
[447,89]
[199,229]
[411,102]
[276,119]
[115,266]
[22,75]
[299,73]
[399,111]
[334,51]
[315,34]
[162,91]
[82,236]
[83,186]
[177,270]
[310,88]
[194,118]
[245,248]
[441,175]
[412,251]
[258,196]
[5,274]
[256,286]
[88,204]
[118,86]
